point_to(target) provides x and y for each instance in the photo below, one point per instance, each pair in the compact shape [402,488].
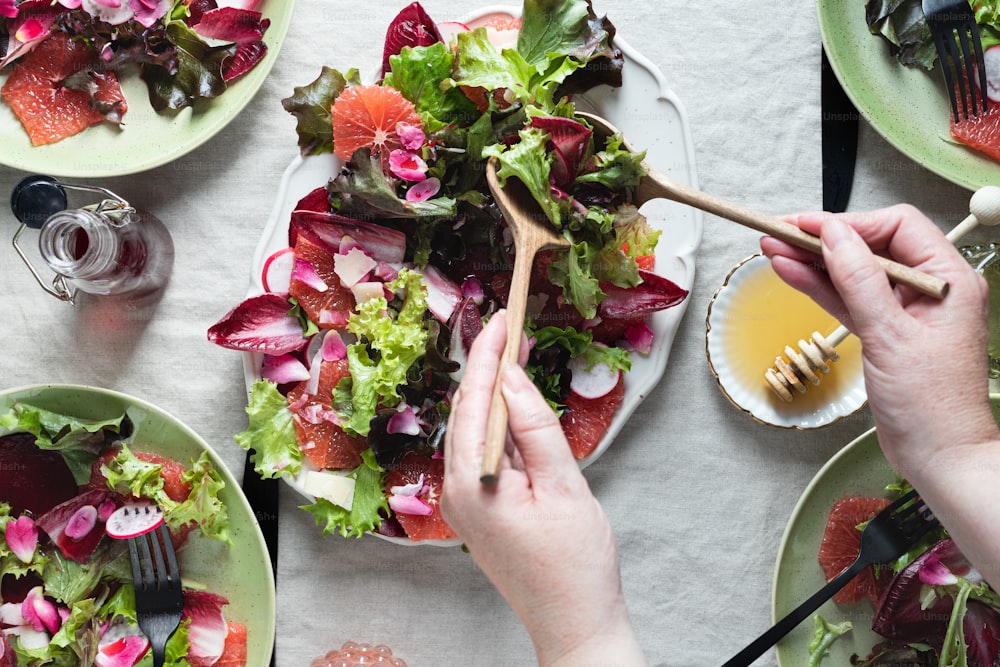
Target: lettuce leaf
[311,104]
[368,509]
[271,432]
[528,161]
[198,74]
[615,167]
[417,73]
[397,337]
[365,191]
[11,564]
[824,634]
[128,474]
[581,344]
[79,441]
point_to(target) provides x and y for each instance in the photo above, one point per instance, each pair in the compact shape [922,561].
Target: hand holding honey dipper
[806,364]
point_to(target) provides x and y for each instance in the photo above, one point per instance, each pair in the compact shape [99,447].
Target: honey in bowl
[752,318]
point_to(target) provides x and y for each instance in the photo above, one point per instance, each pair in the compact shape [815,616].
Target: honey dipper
[805,364]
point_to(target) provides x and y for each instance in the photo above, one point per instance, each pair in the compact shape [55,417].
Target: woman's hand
[538,533]
[925,360]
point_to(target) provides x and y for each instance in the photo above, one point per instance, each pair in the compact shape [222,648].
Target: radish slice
[277,273]
[133,520]
[449,30]
[593,383]
[991,59]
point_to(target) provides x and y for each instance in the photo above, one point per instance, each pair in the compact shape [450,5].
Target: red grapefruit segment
[37,91]
[322,440]
[841,542]
[328,308]
[408,471]
[587,420]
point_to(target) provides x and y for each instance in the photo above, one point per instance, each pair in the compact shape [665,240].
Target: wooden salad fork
[532,232]
[890,534]
[658,186]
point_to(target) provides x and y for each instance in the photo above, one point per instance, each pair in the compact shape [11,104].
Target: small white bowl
[751,318]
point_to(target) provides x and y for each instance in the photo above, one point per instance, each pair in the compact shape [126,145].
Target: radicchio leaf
[411,27]
[383,243]
[259,324]
[208,629]
[570,142]
[629,303]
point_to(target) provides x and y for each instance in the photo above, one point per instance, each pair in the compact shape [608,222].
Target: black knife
[262,495]
[839,129]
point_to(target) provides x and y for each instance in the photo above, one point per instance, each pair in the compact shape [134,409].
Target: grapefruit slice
[586,420]
[366,117]
[234,652]
[841,542]
[981,133]
[327,303]
[408,470]
[322,441]
[38,94]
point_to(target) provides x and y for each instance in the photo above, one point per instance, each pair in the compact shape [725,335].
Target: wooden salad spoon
[532,232]
[656,186]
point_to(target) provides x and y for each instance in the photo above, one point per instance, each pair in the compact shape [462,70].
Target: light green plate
[857,469]
[241,573]
[147,139]
[908,107]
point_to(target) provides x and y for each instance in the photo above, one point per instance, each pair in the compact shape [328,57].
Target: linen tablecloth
[698,492]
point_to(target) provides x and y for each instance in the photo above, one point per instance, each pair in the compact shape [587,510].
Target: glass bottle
[985,259]
[107,252]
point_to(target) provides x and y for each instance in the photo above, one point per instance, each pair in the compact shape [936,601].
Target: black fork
[956,36]
[157,581]
[890,534]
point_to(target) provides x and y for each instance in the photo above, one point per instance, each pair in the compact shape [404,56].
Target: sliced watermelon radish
[133,520]
[595,382]
[449,30]
[991,59]
[276,275]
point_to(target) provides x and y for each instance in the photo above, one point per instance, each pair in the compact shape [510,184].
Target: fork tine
[977,45]
[945,56]
[970,60]
[173,571]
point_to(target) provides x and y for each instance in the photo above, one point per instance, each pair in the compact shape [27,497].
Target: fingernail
[835,232]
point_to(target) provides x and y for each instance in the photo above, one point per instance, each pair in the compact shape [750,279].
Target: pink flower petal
[412,136]
[640,337]
[283,368]
[31,29]
[148,12]
[8,9]
[404,421]
[81,523]
[39,612]
[407,165]
[413,489]
[334,348]
[22,538]
[410,505]
[424,190]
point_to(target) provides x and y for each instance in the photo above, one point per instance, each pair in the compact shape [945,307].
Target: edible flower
[407,165]
[22,537]
[424,190]
[39,612]
[404,421]
[30,30]
[148,12]
[411,136]
[8,9]
[404,499]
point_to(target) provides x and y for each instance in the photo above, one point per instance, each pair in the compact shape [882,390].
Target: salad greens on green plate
[69,455]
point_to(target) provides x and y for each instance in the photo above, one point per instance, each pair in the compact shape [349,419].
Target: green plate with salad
[859,469]
[239,571]
[146,139]
[908,106]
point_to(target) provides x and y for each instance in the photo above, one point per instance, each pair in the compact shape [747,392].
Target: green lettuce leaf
[128,474]
[418,73]
[581,344]
[570,270]
[528,162]
[271,432]
[370,504]
[79,441]
[311,104]
[824,634]
[615,167]
[397,337]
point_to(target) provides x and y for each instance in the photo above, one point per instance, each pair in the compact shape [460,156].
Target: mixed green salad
[393,266]
[66,595]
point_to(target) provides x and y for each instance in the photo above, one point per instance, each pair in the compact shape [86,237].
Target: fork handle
[757,647]
[657,185]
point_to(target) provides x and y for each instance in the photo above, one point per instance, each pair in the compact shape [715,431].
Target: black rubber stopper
[36,198]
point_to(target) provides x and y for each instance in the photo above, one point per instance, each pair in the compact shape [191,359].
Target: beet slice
[32,479]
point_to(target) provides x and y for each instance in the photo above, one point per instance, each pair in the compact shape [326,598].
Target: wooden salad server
[658,186]
[532,232]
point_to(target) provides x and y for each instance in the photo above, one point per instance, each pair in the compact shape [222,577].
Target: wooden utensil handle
[661,186]
[496,424]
